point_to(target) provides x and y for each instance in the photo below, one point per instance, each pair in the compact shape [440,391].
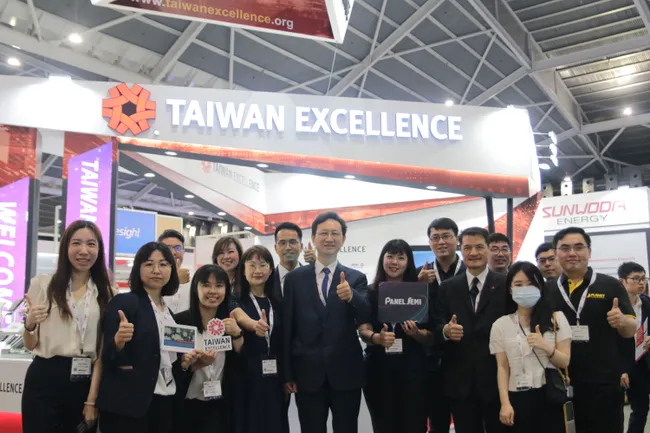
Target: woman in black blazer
[205,408]
[395,392]
[137,390]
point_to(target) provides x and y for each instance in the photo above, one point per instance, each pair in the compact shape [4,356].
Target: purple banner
[88,194]
[14,205]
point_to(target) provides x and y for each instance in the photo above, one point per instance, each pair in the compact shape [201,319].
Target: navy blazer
[129,376]
[321,341]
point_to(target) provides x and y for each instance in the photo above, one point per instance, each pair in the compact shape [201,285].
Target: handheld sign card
[400,302]
[179,338]
[214,338]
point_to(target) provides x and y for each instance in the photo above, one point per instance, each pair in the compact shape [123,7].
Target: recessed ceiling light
[567,179]
[248,228]
[544,166]
[187,226]
[431,187]
[189,196]
[149,175]
[190,213]
[13,61]
[349,176]
[75,38]
[15,47]
[58,221]
[221,213]
[627,111]
[263,165]
[12,21]
[221,224]
[449,102]
[170,153]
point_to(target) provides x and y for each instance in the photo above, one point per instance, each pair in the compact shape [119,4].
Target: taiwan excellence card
[179,338]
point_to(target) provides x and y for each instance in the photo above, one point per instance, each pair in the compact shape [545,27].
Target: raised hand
[386,338]
[189,359]
[410,328]
[183,275]
[36,314]
[343,290]
[453,330]
[124,333]
[232,328]
[310,254]
[537,341]
[262,326]
[615,317]
[427,275]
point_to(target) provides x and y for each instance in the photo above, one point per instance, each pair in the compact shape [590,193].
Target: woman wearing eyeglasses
[260,402]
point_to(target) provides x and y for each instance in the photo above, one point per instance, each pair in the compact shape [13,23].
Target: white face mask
[526,296]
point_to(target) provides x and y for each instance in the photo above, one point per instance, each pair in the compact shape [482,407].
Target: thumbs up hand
[537,341]
[124,333]
[615,317]
[343,289]
[36,314]
[427,275]
[262,326]
[310,254]
[386,338]
[232,328]
[453,330]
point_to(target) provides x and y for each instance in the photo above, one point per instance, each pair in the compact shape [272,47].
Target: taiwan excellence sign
[133,229]
[89,189]
[315,19]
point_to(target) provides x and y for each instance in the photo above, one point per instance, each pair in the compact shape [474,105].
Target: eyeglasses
[177,248]
[542,261]
[639,280]
[578,248]
[290,242]
[445,237]
[497,250]
[328,234]
[258,266]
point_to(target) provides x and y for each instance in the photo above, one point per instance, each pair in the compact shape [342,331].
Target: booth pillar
[489,208]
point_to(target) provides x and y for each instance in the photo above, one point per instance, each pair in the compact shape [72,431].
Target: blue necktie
[326,280]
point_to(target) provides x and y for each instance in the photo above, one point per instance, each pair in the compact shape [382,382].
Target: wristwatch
[241,334]
[25,324]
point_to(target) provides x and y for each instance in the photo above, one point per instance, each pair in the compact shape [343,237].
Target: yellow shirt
[573,285]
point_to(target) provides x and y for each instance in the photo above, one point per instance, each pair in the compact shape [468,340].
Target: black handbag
[557,383]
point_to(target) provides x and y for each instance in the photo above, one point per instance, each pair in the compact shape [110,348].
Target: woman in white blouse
[204,391]
[525,344]
[62,329]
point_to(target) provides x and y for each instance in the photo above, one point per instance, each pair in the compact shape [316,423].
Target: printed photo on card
[179,338]
[215,338]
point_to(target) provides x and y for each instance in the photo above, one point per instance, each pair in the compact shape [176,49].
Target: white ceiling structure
[575,64]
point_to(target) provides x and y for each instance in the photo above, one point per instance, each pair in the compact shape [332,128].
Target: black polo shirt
[599,360]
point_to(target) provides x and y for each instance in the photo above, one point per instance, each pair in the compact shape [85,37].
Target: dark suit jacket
[129,391]
[321,342]
[639,372]
[468,365]
[277,285]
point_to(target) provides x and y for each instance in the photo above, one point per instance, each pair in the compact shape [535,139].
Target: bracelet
[89,403]
[241,334]
[373,334]
[33,328]
[552,354]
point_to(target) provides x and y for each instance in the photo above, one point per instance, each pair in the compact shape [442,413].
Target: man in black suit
[443,240]
[288,245]
[323,305]
[500,252]
[466,307]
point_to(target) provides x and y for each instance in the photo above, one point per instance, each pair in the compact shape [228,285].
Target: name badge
[524,381]
[212,390]
[81,369]
[269,367]
[396,348]
[580,333]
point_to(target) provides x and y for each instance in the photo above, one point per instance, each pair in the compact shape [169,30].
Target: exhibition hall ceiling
[581,67]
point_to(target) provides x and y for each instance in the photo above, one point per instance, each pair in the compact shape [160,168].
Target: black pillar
[489,206]
[510,219]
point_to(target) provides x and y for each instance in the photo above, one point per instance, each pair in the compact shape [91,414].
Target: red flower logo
[128,109]
[216,327]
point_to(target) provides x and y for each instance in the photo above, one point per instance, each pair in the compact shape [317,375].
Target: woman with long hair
[227,255]
[62,329]
[261,406]
[526,344]
[395,353]
[137,390]
[204,391]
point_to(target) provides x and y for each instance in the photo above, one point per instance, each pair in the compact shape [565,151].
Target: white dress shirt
[481,282]
[320,277]
[638,312]
[282,273]
[180,301]
[212,372]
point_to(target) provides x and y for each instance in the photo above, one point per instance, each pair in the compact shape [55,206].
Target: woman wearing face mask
[260,405]
[62,329]
[137,390]
[395,355]
[525,344]
[204,391]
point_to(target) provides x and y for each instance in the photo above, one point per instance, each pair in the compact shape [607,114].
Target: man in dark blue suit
[323,305]
[288,244]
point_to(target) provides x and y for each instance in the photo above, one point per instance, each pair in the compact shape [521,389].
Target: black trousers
[438,409]
[598,407]
[204,417]
[314,407]
[51,402]
[533,414]
[158,419]
[639,399]
[472,415]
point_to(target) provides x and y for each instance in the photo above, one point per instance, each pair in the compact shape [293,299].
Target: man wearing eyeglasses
[288,245]
[499,253]
[176,243]
[636,379]
[546,261]
[599,311]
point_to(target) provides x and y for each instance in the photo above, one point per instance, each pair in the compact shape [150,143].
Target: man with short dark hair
[546,262]
[500,252]
[636,376]
[322,305]
[599,311]
[466,307]
[176,243]
[288,245]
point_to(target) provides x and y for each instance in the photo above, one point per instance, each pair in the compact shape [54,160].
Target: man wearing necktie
[466,307]
[288,245]
[323,305]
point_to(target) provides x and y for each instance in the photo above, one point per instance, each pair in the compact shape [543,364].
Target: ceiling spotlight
[221,213]
[12,21]
[263,165]
[349,176]
[544,166]
[449,102]
[431,187]
[555,161]
[627,111]
[58,221]
[221,224]
[567,178]
[189,196]
[190,213]
[149,175]
[13,61]
[170,153]
[248,228]
[75,38]
[188,226]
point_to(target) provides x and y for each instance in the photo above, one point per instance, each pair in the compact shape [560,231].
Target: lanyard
[581,305]
[267,336]
[520,343]
[435,269]
[162,318]
[81,320]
